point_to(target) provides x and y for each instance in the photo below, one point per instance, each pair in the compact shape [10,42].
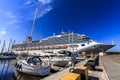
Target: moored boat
[33,66]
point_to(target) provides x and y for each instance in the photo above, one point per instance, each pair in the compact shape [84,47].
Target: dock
[108,69]
[112,66]
[98,74]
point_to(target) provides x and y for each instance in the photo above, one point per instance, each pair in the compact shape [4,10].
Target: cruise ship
[72,42]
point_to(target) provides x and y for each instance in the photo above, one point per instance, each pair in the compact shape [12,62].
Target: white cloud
[28,2]
[11,22]
[44,6]
[3,32]
[16,27]
[9,14]
[45,1]
[45,11]
[40,13]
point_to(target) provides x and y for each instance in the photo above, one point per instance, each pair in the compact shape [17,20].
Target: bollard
[93,62]
[82,70]
[71,76]
[91,65]
[84,75]
[97,61]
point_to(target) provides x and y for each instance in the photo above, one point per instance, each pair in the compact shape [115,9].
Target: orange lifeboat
[23,48]
[19,49]
[40,47]
[34,48]
[57,47]
[37,48]
[65,46]
[52,47]
[16,49]
[30,48]
[45,47]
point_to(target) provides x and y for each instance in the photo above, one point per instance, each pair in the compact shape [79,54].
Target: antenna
[69,36]
[35,15]
[53,34]
[113,42]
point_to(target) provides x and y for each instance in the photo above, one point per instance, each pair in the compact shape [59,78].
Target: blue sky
[98,19]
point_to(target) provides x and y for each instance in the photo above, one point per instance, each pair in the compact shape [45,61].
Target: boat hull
[22,67]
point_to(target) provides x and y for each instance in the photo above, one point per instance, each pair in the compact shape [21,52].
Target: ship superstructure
[72,42]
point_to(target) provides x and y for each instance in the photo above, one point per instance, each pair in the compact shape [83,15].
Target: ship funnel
[29,39]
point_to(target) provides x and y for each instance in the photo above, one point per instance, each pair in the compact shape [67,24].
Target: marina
[102,72]
[59,40]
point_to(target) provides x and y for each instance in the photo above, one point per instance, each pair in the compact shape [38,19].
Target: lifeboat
[40,47]
[33,48]
[27,48]
[16,49]
[65,46]
[37,48]
[30,48]
[23,48]
[57,47]
[52,47]
[45,47]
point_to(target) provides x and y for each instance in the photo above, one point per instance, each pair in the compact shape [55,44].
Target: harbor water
[8,72]
[7,69]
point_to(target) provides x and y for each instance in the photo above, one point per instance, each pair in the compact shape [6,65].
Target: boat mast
[69,40]
[12,45]
[3,47]
[30,37]
[35,15]
[73,41]
[9,45]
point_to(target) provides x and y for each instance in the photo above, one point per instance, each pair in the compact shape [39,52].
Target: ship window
[82,44]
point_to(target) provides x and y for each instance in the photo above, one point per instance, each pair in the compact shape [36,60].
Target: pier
[112,66]
[108,69]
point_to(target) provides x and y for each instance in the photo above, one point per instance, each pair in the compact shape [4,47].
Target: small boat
[59,61]
[56,59]
[7,56]
[33,66]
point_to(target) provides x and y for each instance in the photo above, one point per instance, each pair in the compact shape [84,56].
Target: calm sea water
[7,70]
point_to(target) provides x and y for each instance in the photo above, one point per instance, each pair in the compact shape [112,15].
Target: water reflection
[23,76]
[6,70]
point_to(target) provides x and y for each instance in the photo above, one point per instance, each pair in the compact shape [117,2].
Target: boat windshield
[34,60]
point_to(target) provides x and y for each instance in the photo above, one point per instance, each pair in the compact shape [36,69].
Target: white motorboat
[56,59]
[33,66]
[59,61]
